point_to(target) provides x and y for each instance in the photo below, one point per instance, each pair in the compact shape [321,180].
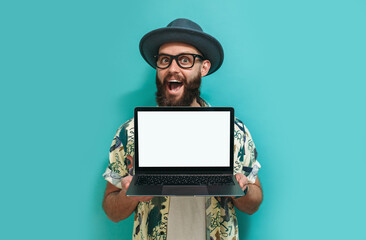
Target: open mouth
[174,85]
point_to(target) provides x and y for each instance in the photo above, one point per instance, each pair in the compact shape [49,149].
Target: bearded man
[182,54]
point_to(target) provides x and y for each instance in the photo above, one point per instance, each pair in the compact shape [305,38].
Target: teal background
[71,74]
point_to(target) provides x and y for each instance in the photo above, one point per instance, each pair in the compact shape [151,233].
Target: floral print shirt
[151,218]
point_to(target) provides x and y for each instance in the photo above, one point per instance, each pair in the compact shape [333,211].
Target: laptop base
[184,190]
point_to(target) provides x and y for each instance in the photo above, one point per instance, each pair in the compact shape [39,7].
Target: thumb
[238,177]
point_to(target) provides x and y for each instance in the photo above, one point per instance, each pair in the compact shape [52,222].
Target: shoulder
[239,125]
[129,124]
[241,129]
[126,129]
[123,134]
[243,138]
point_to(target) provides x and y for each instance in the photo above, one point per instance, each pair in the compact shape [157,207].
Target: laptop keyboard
[184,180]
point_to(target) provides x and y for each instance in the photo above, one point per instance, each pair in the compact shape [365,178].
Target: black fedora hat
[186,31]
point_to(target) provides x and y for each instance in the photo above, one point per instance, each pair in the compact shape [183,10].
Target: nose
[173,66]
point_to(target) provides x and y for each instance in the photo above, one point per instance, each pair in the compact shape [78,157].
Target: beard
[191,91]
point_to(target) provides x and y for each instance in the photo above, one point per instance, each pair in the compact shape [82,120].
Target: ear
[205,67]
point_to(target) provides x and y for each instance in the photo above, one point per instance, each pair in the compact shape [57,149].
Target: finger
[146,199]
[142,199]
[127,186]
[240,180]
[127,179]
[242,184]
[238,177]
[243,181]
[242,177]
[126,182]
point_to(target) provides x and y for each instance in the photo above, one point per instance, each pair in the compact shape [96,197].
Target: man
[181,53]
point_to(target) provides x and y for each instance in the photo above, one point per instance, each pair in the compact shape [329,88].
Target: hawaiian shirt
[151,218]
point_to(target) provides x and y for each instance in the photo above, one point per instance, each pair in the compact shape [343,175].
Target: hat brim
[205,43]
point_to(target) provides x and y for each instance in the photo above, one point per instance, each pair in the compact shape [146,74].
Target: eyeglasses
[184,60]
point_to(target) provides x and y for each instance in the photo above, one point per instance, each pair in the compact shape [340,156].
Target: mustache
[175,76]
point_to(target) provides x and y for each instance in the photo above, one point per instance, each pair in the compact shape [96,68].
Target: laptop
[184,151]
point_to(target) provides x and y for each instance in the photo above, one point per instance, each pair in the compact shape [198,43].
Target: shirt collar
[203,103]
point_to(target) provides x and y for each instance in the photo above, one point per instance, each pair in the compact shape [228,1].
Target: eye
[164,60]
[185,60]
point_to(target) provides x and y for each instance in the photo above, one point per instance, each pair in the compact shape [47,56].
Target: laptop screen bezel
[183,170]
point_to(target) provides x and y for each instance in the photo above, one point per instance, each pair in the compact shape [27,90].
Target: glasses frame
[175,57]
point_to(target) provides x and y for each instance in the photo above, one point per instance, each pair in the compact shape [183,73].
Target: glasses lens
[186,61]
[163,61]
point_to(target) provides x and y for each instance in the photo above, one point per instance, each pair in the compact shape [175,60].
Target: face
[177,86]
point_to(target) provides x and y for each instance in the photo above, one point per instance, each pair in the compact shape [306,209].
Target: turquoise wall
[71,74]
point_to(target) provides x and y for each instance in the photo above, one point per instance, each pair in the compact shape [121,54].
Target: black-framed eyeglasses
[184,60]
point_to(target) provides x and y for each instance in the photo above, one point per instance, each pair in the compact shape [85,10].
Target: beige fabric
[187,218]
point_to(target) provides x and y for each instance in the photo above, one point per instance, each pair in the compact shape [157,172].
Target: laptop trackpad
[185,190]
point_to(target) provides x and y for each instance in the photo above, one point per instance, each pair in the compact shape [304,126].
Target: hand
[242,180]
[126,181]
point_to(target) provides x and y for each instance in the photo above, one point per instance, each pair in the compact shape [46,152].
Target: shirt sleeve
[120,162]
[246,153]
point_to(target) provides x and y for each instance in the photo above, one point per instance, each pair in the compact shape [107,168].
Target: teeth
[174,81]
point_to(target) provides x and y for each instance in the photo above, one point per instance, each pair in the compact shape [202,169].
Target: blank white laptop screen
[184,139]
